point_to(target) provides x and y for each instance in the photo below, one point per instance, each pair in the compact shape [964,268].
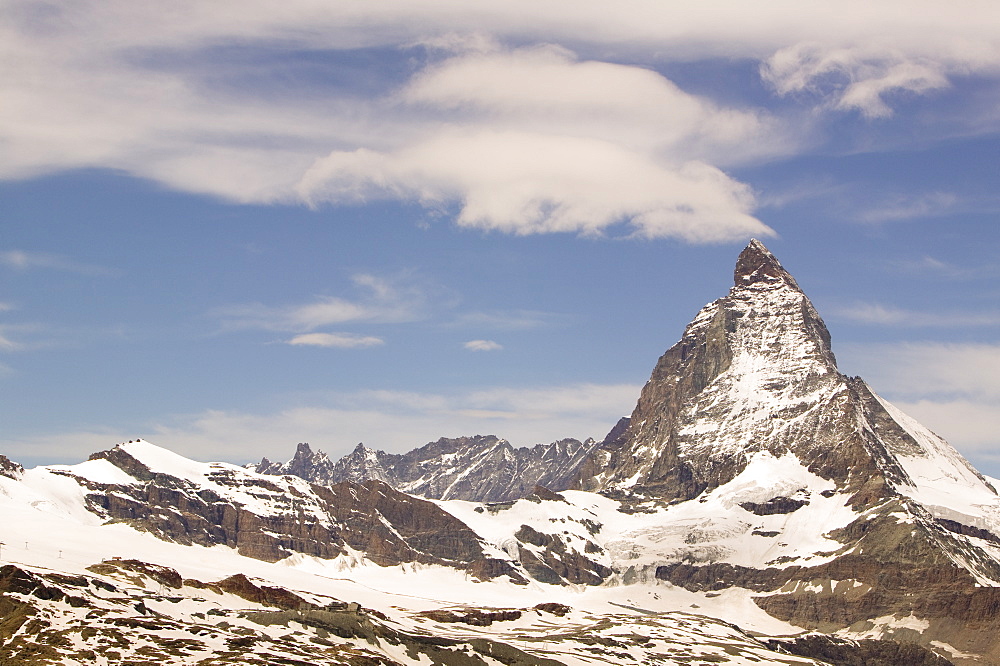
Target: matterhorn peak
[757,265]
[754,374]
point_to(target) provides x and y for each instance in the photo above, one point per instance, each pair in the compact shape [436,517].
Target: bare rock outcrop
[9,468]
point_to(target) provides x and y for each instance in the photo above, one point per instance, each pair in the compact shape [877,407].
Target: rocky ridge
[480,468]
[271,518]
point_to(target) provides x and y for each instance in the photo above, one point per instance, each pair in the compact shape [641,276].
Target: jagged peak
[757,265]
[758,278]
[362,448]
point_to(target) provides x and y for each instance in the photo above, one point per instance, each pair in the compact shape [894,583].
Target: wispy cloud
[22,261]
[911,207]
[932,266]
[883,315]
[323,311]
[953,389]
[20,337]
[920,370]
[853,77]
[336,340]
[381,301]
[970,425]
[6,344]
[482,345]
[926,264]
[506,320]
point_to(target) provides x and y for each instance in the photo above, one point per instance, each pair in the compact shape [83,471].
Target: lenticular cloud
[539,142]
[527,184]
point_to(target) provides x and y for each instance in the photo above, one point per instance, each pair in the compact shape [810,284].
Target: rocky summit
[756,507]
[480,468]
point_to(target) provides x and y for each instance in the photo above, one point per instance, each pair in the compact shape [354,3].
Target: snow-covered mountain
[757,507]
[753,373]
[774,472]
[80,585]
[483,468]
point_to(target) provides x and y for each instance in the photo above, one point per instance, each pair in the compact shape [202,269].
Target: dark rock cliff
[270,518]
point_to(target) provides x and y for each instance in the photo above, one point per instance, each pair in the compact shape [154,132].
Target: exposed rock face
[266,595]
[552,561]
[9,468]
[858,653]
[480,468]
[269,518]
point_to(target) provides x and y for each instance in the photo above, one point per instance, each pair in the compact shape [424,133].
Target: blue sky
[231,227]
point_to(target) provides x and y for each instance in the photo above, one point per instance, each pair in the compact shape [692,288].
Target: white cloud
[382,301]
[853,78]
[336,340]
[539,142]
[506,319]
[22,261]
[920,370]
[526,183]
[167,94]
[482,345]
[905,208]
[971,426]
[391,420]
[875,313]
[546,89]
[953,389]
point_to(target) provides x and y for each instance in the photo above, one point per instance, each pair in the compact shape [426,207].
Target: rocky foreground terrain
[756,507]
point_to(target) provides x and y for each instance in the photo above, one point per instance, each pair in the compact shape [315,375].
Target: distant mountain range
[757,507]
[480,468]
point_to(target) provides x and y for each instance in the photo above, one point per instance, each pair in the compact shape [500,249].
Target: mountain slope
[267,517]
[86,590]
